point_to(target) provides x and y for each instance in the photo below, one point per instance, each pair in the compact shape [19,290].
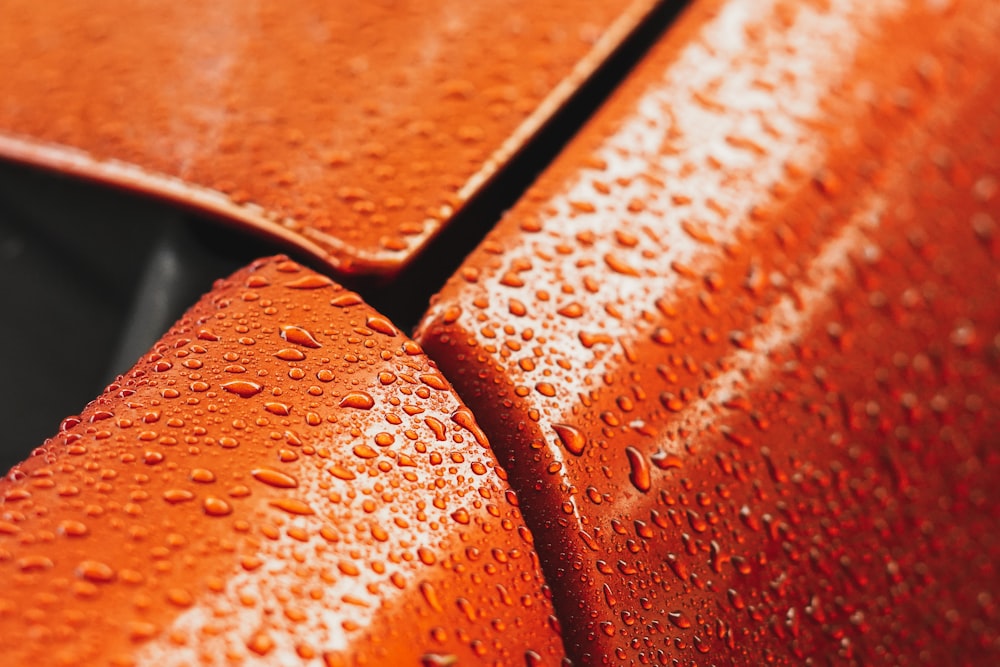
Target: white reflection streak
[724,62]
[196,134]
[268,587]
[788,321]
[724,57]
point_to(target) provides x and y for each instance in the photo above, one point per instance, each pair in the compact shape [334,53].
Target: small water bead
[292,506]
[310,282]
[34,563]
[174,496]
[571,310]
[438,659]
[665,461]
[142,630]
[261,644]
[434,381]
[348,568]
[279,409]
[679,619]
[290,354]
[202,476]
[95,571]
[72,528]
[346,300]
[180,597]
[215,506]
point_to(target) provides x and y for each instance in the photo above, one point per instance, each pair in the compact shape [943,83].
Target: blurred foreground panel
[351,130]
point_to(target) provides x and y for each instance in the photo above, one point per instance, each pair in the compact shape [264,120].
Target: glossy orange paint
[284,479]
[739,348]
[353,131]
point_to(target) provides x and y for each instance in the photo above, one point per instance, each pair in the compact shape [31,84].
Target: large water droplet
[571,438]
[357,399]
[242,388]
[274,478]
[299,336]
[639,474]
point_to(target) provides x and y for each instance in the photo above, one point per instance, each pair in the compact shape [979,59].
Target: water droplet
[426,556]
[174,496]
[364,452]
[665,461]
[180,597]
[345,300]
[545,389]
[310,281]
[290,354]
[381,325]
[34,563]
[71,528]
[571,310]
[95,571]
[663,336]
[242,388]
[214,506]
[202,476]
[639,474]
[340,472]
[679,619]
[292,506]
[620,266]
[430,596]
[571,438]
[299,336]
[609,596]
[357,399]
[276,408]
[434,381]
[348,568]
[274,478]
[463,417]
[261,644]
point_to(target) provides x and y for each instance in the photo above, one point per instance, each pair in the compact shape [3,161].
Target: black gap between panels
[405,297]
[91,276]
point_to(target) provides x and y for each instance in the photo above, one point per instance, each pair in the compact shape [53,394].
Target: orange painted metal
[284,479]
[739,348]
[353,131]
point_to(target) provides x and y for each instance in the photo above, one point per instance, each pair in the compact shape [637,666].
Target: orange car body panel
[353,131]
[739,347]
[284,479]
